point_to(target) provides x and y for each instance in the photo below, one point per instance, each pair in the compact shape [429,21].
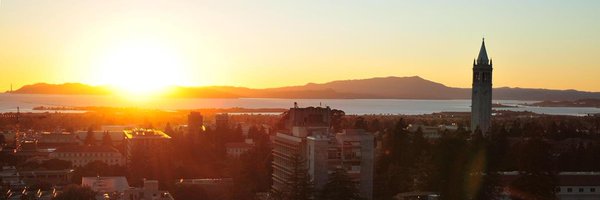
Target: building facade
[56,139]
[116,136]
[236,149]
[149,191]
[352,150]
[118,188]
[106,184]
[145,140]
[569,185]
[310,137]
[80,156]
[481,96]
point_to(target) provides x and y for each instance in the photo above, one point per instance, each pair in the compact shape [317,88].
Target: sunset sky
[538,44]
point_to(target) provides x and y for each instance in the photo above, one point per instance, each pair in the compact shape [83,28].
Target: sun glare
[140,68]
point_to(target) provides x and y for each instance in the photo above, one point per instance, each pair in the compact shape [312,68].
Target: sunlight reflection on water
[10,102]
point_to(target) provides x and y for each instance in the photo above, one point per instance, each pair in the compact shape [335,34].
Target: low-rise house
[106,184]
[570,186]
[27,193]
[53,177]
[18,179]
[82,155]
[431,132]
[10,177]
[118,188]
[117,137]
[236,149]
[417,196]
[214,187]
[149,191]
[56,139]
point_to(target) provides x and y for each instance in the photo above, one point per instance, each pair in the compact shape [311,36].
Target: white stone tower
[481,96]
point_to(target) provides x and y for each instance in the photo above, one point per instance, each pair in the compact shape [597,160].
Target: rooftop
[564,178]
[85,148]
[106,183]
[238,145]
[145,133]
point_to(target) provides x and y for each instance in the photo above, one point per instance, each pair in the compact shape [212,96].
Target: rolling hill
[373,88]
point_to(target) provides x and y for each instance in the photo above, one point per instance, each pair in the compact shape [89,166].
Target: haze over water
[10,102]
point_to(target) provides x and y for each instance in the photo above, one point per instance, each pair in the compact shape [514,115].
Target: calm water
[10,102]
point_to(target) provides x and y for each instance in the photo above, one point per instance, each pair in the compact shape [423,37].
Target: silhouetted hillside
[374,88]
[66,88]
[389,88]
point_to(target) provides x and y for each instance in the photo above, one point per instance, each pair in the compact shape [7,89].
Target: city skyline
[305,100]
[261,46]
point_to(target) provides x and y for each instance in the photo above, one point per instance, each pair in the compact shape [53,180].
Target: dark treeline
[460,165]
[203,155]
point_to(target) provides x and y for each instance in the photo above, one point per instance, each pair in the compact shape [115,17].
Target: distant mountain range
[374,88]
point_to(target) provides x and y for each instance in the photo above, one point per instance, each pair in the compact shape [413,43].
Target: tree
[72,192]
[299,185]
[56,164]
[534,157]
[169,130]
[536,172]
[238,133]
[89,138]
[360,123]
[97,168]
[533,187]
[488,189]
[107,140]
[394,163]
[477,134]
[336,119]
[181,191]
[251,173]
[340,187]
[375,126]
[253,132]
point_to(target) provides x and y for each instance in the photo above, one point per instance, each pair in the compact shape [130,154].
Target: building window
[569,189]
[592,189]
[580,189]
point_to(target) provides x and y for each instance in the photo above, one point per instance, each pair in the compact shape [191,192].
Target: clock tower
[481,96]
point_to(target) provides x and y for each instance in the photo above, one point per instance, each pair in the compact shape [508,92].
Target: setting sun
[140,68]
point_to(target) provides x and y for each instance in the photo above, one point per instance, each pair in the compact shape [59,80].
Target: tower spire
[482,58]
[481,96]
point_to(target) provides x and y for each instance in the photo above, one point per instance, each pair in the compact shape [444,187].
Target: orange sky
[539,44]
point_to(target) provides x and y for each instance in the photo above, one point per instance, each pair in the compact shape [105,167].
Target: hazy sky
[545,43]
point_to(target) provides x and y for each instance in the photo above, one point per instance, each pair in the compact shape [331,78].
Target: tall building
[308,135]
[145,140]
[195,122]
[481,96]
